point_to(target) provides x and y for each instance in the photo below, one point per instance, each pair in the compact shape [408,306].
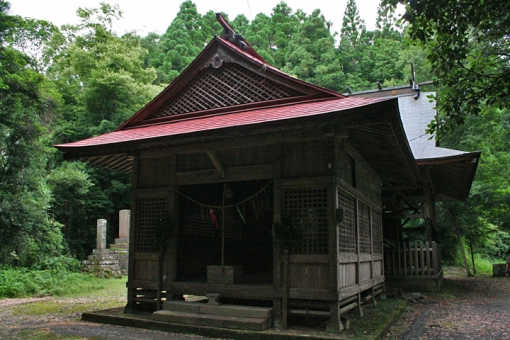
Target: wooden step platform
[221,316]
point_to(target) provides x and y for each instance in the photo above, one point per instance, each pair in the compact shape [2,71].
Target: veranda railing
[413,259]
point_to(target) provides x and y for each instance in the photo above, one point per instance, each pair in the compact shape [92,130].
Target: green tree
[260,36]
[181,43]
[468,48]
[484,216]
[100,74]
[150,43]
[353,27]
[240,24]
[354,40]
[103,81]
[311,53]
[29,236]
[386,23]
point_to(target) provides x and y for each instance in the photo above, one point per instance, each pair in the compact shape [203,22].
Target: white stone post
[124,219]
[101,234]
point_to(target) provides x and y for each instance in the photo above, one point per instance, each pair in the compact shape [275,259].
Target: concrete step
[209,320]
[224,310]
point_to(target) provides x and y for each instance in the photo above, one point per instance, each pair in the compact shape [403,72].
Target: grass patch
[112,294]
[67,307]
[376,319]
[484,265]
[21,282]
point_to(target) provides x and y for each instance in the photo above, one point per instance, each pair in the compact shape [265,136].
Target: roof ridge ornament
[229,34]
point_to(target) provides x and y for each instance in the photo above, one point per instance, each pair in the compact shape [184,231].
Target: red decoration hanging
[214,219]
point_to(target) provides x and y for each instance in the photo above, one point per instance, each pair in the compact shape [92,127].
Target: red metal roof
[225,120]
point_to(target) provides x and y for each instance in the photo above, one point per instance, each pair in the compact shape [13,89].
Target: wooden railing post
[416,265]
[399,263]
[405,259]
[422,259]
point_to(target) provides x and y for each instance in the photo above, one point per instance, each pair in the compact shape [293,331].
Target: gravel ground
[466,308]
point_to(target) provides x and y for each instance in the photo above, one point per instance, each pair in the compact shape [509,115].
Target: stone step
[209,320]
[120,246]
[224,310]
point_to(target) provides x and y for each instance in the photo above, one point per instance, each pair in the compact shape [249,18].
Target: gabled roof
[230,89]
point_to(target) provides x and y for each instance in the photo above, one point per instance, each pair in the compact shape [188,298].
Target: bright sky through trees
[155,15]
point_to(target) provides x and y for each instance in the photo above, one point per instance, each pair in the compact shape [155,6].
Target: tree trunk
[472,254]
[463,252]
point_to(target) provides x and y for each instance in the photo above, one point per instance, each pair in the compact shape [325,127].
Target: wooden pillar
[173,210]
[429,207]
[357,310]
[277,251]
[335,323]
[130,307]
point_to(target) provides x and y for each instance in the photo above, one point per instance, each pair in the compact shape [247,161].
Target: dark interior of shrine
[232,221]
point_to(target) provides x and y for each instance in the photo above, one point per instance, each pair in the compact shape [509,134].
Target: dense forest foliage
[61,84]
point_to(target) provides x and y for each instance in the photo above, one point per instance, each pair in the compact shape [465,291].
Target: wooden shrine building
[257,188]
[446,175]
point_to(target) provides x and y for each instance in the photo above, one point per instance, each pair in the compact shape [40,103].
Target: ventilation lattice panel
[364,228]
[347,229]
[148,210]
[308,209]
[228,85]
[377,235]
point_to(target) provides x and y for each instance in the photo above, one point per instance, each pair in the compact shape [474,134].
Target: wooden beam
[241,173]
[403,216]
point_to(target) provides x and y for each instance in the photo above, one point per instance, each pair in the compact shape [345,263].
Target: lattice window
[377,235]
[364,228]
[308,209]
[148,210]
[347,229]
[228,85]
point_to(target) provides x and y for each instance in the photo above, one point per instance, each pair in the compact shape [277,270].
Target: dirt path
[466,308]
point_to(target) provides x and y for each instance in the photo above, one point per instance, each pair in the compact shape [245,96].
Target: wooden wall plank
[311,276]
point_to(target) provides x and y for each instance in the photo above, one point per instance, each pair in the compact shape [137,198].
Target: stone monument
[112,262]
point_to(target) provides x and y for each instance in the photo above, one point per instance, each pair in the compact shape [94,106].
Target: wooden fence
[413,260]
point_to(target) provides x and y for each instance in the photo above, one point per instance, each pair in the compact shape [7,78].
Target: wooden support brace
[216,162]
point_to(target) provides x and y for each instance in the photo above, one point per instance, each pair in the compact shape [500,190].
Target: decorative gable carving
[224,83]
[218,60]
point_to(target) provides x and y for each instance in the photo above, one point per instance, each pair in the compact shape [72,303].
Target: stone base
[224,275]
[499,269]
[104,263]
[102,269]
